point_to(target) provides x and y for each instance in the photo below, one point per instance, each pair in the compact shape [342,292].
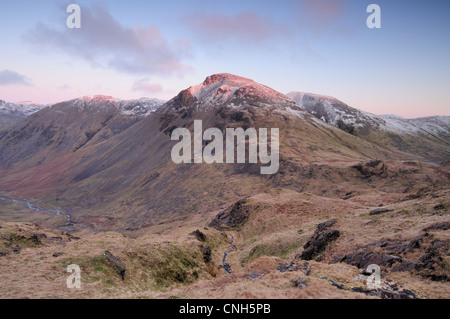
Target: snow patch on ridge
[332,111]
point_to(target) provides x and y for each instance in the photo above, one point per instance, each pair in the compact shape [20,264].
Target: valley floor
[279,243]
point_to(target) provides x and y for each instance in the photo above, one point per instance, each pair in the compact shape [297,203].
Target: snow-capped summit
[224,90]
[223,86]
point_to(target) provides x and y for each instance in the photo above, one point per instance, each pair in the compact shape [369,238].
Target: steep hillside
[67,127]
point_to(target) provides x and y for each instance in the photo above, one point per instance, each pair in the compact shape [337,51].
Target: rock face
[198,235]
[319,241]
[234,216]
[117,264]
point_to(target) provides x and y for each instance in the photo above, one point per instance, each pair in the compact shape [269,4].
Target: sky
[141,48]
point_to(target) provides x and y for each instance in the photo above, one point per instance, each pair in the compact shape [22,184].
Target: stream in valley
[69,227]
[227,266]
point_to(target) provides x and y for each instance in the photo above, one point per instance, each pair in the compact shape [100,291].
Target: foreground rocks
[423,255]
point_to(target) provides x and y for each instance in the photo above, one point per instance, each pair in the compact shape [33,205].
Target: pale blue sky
[130,49]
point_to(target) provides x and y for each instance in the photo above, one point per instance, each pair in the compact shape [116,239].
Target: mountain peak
[227,78]
[221,88]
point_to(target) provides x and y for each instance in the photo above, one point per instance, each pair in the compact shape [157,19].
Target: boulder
[319,241]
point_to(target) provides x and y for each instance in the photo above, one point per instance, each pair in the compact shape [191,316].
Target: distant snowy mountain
[11,113]
[21,108]
[421,134]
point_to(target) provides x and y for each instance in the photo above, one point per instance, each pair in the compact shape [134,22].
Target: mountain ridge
[426,136]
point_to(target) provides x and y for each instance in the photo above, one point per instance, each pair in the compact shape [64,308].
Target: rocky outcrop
[198,235]
[319,241]
[372,168]
[233,217]
[206,252]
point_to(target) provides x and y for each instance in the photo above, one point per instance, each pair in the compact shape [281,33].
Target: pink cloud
[324,10]
[244,26]
[144,86]
[320,15]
